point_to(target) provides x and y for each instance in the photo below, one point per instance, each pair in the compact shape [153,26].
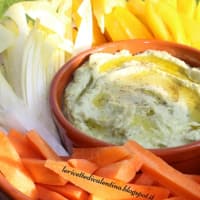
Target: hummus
[151,97]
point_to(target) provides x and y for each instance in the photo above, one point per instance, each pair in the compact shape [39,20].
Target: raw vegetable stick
[172,21]
[172,3]
[101,155]
[124,170]
[164,173]
[105,187]
[175,198]
[132,26]
[111,25]
[192,30]
[18,177]
[186,7]
[144,179]
[41,174]
[11,190]
[13,170]
[7,150]
[98,37]
[155,22]
[92,197]
[23,146]
[70,191]
[45,194]
[83,164]
[137,7]
[41,145]
[194,177]
[102,7]
[197,12]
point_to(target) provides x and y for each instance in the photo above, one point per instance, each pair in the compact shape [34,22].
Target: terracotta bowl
[185,158]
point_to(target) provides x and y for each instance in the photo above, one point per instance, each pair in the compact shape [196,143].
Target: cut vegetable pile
[40,36]
[30,170]
[37,38]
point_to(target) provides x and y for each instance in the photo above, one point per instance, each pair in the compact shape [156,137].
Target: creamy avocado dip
[151,97]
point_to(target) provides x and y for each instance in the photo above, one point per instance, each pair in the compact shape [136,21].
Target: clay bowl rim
[56,109]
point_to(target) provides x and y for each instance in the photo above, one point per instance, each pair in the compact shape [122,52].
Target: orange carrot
[82,164]
[194,177]
[45,194]
[164,173]
[41,145]
[18,177]
[11,190]
[23,146]
[12,169]
[174,198]
[93,197]
[144,179]
[101,155]
[105,187]
[41,174]
[124,170]
[7,150]
[70,191]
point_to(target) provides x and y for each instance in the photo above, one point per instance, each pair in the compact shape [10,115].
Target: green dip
[151,97]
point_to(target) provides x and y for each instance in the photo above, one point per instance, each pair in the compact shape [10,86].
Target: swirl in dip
[151,97]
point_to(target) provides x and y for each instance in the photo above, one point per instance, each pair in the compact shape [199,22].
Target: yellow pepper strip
[74,34]
[192,30]
[111,25]
[197,12]
[75,17]
[103,7]
[170,2]
[132,26]
[172,20]
[137,7]
[98,37]
[186,7]
[99,12]
[155,22]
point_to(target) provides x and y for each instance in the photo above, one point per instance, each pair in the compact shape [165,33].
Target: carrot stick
[105,187]
[70,191]
[83,164]
[41,145]
[41,174]
[101,155]
[13,170]
[144,179]
[164,173]
[7,149]
[124,170]
[194,177]
[175,198]
[46,194]
[23,146]
[18,177]
[11,190]
[93,197]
